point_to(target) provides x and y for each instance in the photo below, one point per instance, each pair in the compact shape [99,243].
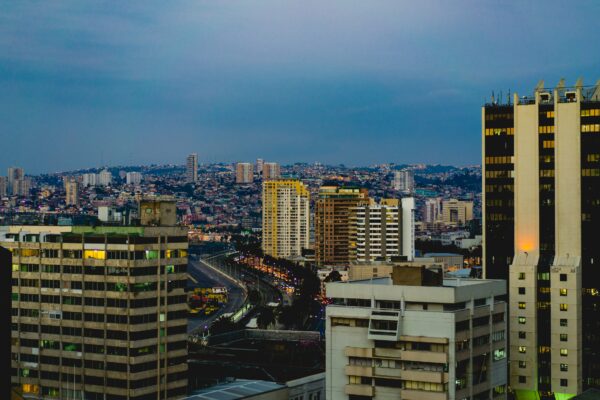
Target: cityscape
[452,260]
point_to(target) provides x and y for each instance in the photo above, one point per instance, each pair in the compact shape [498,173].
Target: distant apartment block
[286,218]
[244,173]
[416,336]
[71,191]
[432,211]
[259,165]
[15,176]
[457,212]
[333,223]
[404,181]
[3,186]
[271,170]
[133,178]
[380,231]
[98,312]
[191,168]
[105,178]
[89,179]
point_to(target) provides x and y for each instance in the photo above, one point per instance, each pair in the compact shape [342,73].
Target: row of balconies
[404,374]
[369,391]
[397,354]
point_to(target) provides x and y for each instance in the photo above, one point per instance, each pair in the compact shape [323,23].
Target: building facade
[333,228]
[133,178]
[15,175]
[457,212]
[541,176]
[191,168]
[405,337]
[404,181]
[3,186]
[89,179]
[271,170]
[5,305]
[432,211]
[71,191]
[286,218]
[105,178]
[244,173]
[382,231]
[98,312]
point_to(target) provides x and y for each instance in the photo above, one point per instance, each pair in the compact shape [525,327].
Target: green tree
[222,325]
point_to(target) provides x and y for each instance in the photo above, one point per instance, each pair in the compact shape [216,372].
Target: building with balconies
[416,336]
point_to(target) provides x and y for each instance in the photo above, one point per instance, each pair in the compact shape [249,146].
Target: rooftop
[238,389]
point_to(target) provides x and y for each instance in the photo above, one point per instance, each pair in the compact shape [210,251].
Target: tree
[287,317]
[334,276]
[266,317]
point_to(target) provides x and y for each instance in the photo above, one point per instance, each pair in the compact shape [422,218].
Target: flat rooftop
[238,389]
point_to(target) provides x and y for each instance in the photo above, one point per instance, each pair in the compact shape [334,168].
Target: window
[523,349]
[521,305]
[563,277]
[564,352]
[522,320]
[522,364]
[499,354]
[522,335]
[521,275]
[563,292]
[563,322]
[564,337]
[95,254]
[564,367]
[522,379]
[521,290]
[564,382]
[564,307]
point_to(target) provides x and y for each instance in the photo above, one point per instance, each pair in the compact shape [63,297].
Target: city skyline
[340,83]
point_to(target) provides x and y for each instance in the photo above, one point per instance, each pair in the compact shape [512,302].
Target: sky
[86,84]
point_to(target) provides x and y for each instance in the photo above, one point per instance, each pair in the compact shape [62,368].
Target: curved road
[208,277]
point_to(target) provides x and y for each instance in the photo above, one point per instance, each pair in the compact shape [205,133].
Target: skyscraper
[541,157]
[71,191]
[191,168]
[6,311]
[102,311]
[432,211]
[286,213]
[382,231]
[334,209]
[271,170]
[404,181]
[89,179]
[15,174]
[3,186]
[259,165]
[244,173]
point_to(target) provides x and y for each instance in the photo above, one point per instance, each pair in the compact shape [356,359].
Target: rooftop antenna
[509,97]
[540,86]
[596,94]
[493,102]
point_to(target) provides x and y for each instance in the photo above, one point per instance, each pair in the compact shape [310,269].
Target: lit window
[521,305]
[564,367]
[521,275]
[522,364]
[564,337]
[499,354]
[564,307]
[563,292]
[522,349]
[564,352]
[522,320]
[95,254]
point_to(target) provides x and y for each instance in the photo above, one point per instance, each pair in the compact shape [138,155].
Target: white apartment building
[133,178]
[404,181]
[414,336]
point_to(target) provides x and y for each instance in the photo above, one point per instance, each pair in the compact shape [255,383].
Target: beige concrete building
[3,186]
[271,170]
[383,269]
[456,212]
[98,312]
[380,231]
[286,218]
[542,187]
[416,336]
[71,192]
[244,173]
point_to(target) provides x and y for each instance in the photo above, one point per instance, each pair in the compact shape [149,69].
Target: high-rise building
[71,191]
[191,168]
[15,174]
[404,181]
[457,212]
[334,209]
[3,186]
[89,179]
[382,231]
[259,165]
[101,312]
[541,168]
[21,187]
[133,178]
[432,211]
[416,336]
[271,170]
[6,307]
[286,217]
[105,178]
[244,173]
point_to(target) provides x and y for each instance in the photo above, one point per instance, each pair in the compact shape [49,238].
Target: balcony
[408,394]
[385,325]
[360,390]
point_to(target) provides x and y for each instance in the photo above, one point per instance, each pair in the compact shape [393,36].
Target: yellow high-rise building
[286,217]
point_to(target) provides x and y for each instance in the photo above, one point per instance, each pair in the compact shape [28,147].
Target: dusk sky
[87,83]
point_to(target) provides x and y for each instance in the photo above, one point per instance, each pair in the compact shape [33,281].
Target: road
[208,277]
